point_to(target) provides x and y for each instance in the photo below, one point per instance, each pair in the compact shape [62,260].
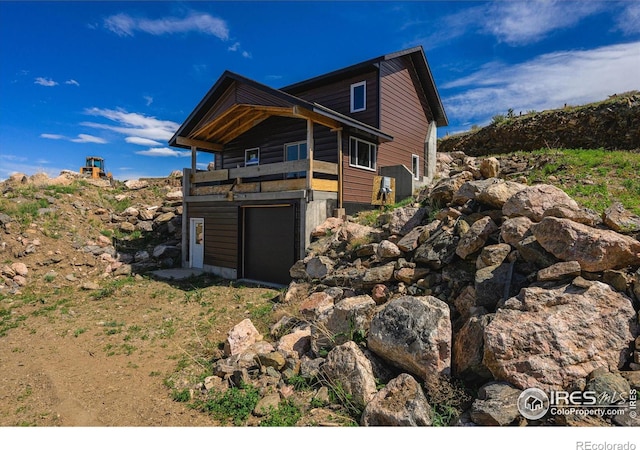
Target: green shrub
[286,415]
[235,404]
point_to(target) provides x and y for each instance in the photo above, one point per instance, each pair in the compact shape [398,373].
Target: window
[362,154]
[415,166]
[293,152]
[252,157]
[359,96]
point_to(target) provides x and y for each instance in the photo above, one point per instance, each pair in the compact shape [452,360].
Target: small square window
[252,157]
[359,96]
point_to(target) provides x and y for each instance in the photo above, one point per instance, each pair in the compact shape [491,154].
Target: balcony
[267,178]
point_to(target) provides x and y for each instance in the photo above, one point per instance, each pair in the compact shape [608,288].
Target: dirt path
[74,360]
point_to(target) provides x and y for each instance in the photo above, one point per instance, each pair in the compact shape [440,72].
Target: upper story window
[362,154]
[359,96]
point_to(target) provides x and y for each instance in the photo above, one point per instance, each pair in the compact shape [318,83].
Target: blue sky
[116,79]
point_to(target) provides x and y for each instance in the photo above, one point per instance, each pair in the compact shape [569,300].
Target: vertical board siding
[337,96]
[403,114]
[221,237]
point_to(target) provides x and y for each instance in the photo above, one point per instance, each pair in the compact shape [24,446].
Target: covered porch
[239,115]
[278,174]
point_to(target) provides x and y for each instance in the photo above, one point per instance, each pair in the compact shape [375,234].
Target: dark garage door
[269,243]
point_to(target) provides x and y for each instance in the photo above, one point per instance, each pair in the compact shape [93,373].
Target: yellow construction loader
[94,166]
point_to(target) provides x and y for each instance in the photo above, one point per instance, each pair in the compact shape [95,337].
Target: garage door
[269,242]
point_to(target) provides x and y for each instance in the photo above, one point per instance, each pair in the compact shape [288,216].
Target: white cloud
[81,139]
[545,82]
[45,82]
[515,23]
[234,47]
[133,124]
[72,82]
[148,99]
[141,141]
[521,23]
[246,54]
[125,25]
[164,152]
[628,20]
[87,138]
[52,136]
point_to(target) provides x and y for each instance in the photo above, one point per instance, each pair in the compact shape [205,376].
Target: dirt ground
[75,359]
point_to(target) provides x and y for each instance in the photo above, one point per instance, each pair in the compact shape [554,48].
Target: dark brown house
[286,159]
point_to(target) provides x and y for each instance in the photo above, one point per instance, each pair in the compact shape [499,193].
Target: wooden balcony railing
[224,181]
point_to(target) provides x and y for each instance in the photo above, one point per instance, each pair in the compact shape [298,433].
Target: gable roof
[199,126]
[417,56]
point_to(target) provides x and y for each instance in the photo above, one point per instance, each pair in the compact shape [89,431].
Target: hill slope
[613,124]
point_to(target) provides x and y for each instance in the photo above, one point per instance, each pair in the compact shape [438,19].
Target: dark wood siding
[240,93]
[226,100]
[337,96]
[271,135]
[221,237]
[403,114]
[246,94]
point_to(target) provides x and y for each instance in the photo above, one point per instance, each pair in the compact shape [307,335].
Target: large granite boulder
[349,371]
[413,333]
[548,338]
[596,250]
[401,403]
[533,201]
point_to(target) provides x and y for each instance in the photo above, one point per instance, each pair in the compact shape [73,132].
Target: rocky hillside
[613,124]
[441,312]
[445,311]
[78,230]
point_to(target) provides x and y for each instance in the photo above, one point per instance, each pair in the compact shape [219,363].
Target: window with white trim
[358,96]
[294,151]
[415,166]
[252,156]
[362,154]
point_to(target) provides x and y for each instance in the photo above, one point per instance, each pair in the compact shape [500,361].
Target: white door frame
[196,242]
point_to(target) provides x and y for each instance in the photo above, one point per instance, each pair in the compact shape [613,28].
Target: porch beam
[236,131]
[317,118]
[198,131]
[222,123]
[204,145]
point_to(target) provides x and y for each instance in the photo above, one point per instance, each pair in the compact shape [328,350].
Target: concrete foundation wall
[313,214]
[430,149]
